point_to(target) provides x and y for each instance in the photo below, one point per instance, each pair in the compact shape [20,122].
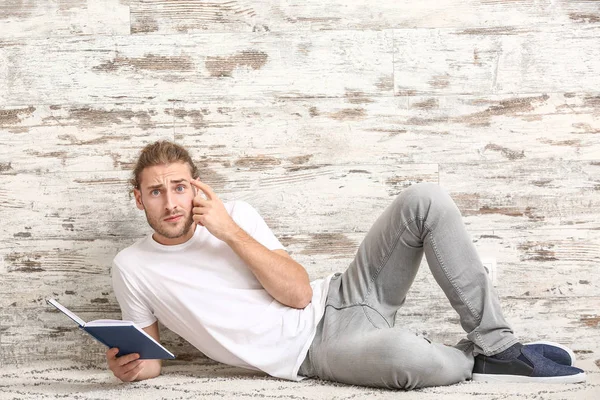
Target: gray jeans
[356,340]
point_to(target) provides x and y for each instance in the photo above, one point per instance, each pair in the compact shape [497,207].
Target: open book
[122,334]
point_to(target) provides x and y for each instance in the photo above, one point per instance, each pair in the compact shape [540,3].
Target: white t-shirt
[203,291]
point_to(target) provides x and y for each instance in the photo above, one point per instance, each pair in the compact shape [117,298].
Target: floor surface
[219,381]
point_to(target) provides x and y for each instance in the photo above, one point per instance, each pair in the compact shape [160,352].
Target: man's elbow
[306,298]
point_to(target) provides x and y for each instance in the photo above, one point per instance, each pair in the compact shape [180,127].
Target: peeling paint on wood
[150,62]
[442,61]
[224,66]
[26,19]
[12,117]
[161,16]
[318,114]
[163,68]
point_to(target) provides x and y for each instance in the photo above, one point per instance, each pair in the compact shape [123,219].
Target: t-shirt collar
[174,247]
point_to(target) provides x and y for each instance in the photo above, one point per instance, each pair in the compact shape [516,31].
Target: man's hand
[127,367]
[211,212]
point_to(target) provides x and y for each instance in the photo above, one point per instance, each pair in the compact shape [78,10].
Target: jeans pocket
[377,320]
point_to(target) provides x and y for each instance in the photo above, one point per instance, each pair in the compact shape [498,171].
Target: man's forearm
[284,279]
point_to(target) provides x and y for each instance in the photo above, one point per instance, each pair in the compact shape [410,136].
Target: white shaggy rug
[211,380]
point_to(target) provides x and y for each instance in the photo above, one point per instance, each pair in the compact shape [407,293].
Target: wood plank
[42,139]
[560,263]
[361,128]
[298,135]
[555,193]
[153,69]
[166,17]
[30,19]
[340,197]
[496,61]
[51,206]
[107,68]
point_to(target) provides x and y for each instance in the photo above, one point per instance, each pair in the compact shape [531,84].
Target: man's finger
[199,210]
[133,373]
[128,358]
[112,352]
[200,201]
[132,365]
[204,187]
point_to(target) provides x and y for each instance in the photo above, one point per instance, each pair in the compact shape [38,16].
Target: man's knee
[427,366]
[429,190]
[424,196]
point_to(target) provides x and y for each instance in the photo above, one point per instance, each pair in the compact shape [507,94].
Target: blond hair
[157,153]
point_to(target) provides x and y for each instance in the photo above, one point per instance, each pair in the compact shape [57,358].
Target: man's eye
[181,186]
[155,190]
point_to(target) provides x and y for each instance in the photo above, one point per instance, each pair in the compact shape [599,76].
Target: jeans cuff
[503,346]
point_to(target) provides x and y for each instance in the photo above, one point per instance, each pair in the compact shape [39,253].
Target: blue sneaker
[554,351]
[529,366]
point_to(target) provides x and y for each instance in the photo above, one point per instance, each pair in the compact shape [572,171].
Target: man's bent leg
[368,294]
[424,218]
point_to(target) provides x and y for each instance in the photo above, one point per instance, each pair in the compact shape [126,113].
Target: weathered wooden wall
[318,113]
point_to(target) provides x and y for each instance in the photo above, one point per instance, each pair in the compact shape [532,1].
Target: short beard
[156,225]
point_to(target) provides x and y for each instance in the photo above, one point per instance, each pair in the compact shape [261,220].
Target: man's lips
[173,218]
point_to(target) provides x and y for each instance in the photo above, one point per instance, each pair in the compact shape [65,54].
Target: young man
[215,274]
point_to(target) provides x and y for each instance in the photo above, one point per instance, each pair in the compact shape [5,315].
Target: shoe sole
[565,348]
[577,378]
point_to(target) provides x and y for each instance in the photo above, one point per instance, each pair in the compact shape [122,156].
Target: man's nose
[170,201]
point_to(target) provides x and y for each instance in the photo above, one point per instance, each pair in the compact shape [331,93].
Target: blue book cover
[122,334]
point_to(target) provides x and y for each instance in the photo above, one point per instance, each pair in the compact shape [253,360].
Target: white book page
[66,311]
[108,322]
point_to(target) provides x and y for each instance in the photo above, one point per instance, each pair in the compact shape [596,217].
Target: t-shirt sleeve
[250,220]
[133,308]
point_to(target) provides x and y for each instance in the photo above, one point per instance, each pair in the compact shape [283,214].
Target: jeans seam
[387,257]
[346,306]
[369,318]
[483,345]
[362,305]
[461,294]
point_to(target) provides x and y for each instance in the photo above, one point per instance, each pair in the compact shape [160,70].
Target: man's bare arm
[281,276]
[152,367]
[284,279]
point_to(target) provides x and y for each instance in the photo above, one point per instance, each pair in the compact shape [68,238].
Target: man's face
[165,191]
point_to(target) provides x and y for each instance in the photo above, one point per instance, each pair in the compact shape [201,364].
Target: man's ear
[138,199]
